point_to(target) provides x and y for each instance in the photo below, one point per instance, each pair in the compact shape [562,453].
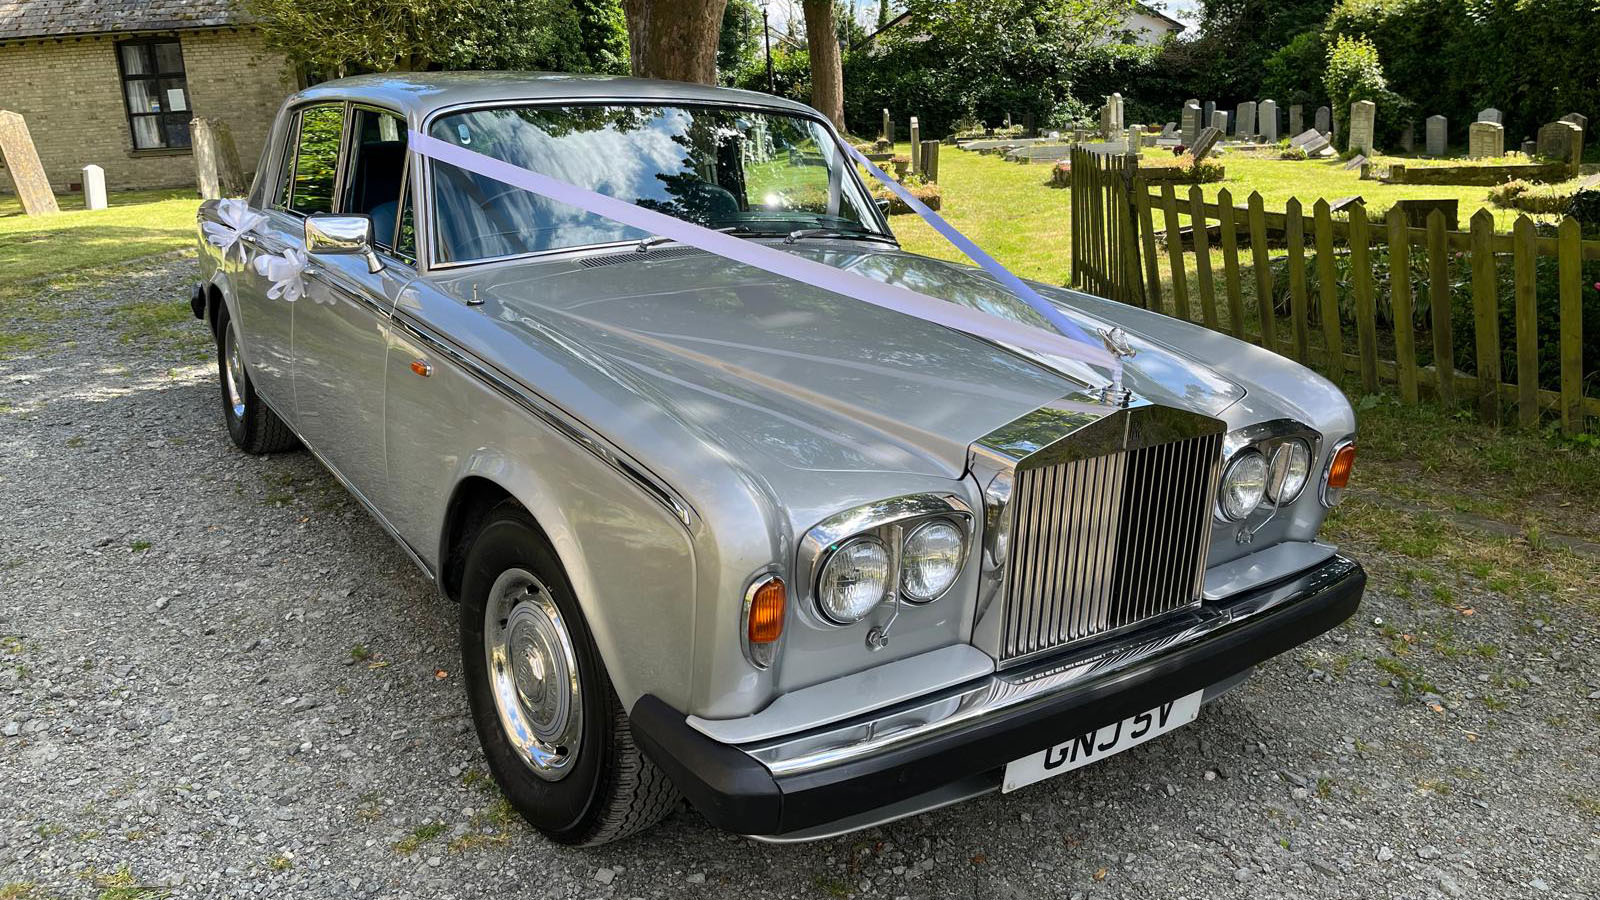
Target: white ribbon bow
[286,272]
[237,220]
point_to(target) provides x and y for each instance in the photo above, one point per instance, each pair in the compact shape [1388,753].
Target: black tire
[611,790]
[252,424]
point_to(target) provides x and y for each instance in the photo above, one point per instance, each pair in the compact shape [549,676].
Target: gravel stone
[231,745]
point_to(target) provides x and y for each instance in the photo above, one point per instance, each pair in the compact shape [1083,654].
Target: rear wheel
[254,427]
[553,731]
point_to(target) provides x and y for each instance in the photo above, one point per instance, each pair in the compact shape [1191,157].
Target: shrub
[1294,153]
[1585,207]
[1539,199]
[925,191]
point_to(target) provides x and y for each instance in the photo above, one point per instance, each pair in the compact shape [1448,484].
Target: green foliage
[1291,72]
[739,44]
[1353,73]
[951,58]
[1585,207]
[1548,199]
[343,37]
[1236,37]
[603,31]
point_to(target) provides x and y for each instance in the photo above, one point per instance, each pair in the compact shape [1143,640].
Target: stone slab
[1485,138]
[21,160]
[1436,135]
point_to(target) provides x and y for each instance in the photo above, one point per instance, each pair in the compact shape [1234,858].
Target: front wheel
[553,731]
[254,427]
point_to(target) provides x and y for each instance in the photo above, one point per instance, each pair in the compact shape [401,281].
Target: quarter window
[377,172]
[316,164]
[156,93]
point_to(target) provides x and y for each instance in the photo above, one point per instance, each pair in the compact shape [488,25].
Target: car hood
[754,362]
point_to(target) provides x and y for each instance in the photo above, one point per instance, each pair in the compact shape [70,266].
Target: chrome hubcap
[533,673]
[233,375]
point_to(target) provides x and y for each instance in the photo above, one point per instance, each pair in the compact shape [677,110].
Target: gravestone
[1205,142]
[1557,140]
[1435,135]
[21,160]
[1008,121]
[1244,123]
[1119,120]
[1312,141]
[930,161]
[1416,212]
[1169,130]
[1269,121]
[1490,114]
[1324,120]
[887,131]
[1191,121]
[1485,139]
[1408,136]
[1297,118]
[1363,115]
[1530,149]
[1356,162]
[1208,112]
[216,160]
[1219,121]
[94,187]
[1578,119]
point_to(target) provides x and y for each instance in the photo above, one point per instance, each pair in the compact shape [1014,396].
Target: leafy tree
[1292,74]
[342,37]
[740,39]
[603,30]
[674,39]
[1236,36]
[1355,73]
[827,73]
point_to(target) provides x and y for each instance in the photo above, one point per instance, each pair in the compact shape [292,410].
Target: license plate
[1102,742]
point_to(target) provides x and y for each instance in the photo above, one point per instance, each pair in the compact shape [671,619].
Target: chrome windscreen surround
[1097,521]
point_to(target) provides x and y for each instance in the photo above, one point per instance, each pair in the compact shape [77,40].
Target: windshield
[746,171]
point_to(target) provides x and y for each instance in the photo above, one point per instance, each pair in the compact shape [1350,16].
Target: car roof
[419,94]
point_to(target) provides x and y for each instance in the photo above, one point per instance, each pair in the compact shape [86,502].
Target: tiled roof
[52,18]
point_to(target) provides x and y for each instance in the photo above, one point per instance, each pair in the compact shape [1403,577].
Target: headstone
[1416,212]
[1312,141]
[1530,148]
[1485,139]
[94,187]
[887,131]
[1490,114]
[1363,116]
[1435,135]
[1356,162]
[1556,140]
[1578,119]
[1269,121]
[1244,120]
[1324,120]
[1192,122]
[21,161]
[1119,120]
[1008,121]
[1206,142]
[216,160]
[1219,121]
[1344,203]
[1297,118]
[1169,130]
[1209,111]
[930,161]
[1408,136]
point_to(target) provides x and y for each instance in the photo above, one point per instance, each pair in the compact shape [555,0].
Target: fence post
[1444,358]
[1570,265]
[1230,262]
[1523,262]
[1132,285]
[1075,209]
[1328,291]
[1405,350]
[1263,268]
[1295,232]
[1486,317]
[1366,306]
[1202,255]
[1180,278]
[1147,237]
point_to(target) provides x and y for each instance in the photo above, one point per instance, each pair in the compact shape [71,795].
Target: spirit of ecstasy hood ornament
[1116,341]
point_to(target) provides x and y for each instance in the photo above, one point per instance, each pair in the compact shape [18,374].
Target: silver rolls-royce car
[728,536]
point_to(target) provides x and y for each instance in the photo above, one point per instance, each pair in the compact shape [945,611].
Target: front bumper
[1009,715]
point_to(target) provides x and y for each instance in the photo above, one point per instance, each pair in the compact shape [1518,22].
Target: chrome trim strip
[950,710]
[550,414]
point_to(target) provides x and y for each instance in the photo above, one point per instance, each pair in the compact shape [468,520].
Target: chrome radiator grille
[1108,541]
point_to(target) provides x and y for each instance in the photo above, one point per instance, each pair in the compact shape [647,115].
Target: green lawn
[138,223]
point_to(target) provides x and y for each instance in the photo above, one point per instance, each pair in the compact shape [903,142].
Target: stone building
[115,83]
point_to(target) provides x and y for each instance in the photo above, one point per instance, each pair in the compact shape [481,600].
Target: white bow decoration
[285,271]
[237,220]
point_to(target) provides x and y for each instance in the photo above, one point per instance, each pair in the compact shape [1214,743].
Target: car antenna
[475,301]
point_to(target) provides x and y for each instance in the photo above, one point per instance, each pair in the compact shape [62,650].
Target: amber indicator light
[421,368]
[766,612]
[1343,462]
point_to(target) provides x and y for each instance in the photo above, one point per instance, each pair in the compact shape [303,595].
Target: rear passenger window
[377,172]
[316,165]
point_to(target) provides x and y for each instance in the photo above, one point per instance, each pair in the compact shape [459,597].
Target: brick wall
[70,93]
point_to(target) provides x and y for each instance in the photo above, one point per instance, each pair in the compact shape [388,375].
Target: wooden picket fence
[1109,254]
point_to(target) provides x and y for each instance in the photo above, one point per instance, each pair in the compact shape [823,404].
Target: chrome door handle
[250,239]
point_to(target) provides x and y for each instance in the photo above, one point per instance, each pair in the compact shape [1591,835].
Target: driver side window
[375,177]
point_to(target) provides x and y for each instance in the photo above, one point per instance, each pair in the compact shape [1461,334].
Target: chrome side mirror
[330,234]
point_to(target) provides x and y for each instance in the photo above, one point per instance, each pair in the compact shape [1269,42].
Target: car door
[341,326]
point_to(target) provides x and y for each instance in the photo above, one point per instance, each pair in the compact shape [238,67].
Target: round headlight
[853,580]
[1243,485]
[1299,472]
[931,560]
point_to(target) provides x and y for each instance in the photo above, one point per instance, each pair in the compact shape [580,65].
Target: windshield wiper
[645,244]
[835,233]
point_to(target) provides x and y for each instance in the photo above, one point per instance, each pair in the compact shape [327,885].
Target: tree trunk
[827,74]
[674,39]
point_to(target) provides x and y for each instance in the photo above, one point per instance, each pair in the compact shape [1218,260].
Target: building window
[156,93]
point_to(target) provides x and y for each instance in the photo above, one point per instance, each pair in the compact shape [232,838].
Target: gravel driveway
[218,677]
